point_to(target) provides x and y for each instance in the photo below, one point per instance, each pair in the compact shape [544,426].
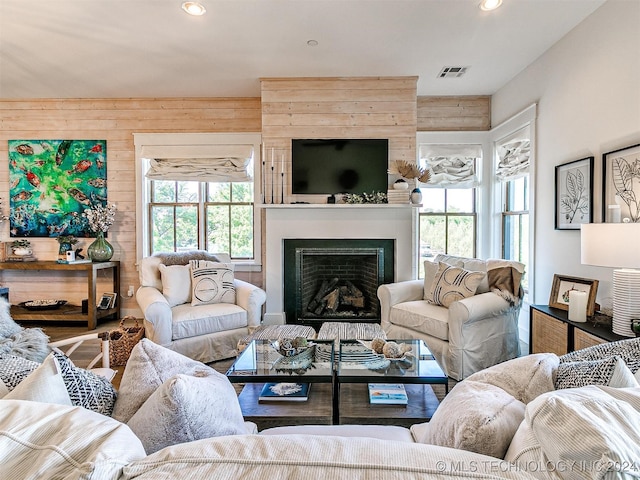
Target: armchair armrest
[251,298]
[157,315]
[391,294]
[476,308]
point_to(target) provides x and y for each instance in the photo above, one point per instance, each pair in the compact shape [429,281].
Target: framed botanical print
[621,185]
[574,194]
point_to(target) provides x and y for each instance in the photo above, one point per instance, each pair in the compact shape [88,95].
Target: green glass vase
[100,250]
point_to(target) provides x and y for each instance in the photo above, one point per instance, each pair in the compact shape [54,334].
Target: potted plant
[21,247]
[66,243]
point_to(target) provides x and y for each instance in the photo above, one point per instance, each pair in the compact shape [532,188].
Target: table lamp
[616,245]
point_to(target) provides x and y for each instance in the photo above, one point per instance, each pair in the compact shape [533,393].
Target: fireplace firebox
[335,279]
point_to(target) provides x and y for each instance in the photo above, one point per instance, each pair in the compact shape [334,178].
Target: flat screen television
[339,166]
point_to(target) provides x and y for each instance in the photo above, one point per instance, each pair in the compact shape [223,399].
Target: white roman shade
[451,166]
[513,153]
[209,163]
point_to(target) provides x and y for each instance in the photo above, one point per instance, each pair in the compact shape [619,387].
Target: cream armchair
[203,332]
[471,334]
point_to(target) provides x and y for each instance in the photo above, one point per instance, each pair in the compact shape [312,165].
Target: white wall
[587,87]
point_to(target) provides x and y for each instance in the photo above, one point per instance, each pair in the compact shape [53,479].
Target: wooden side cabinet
[550,330]
[71,312]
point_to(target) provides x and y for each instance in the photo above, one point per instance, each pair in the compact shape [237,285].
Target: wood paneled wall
[114,121]
[353,107]
[454,113]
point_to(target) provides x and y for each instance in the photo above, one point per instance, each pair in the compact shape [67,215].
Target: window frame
[143,187]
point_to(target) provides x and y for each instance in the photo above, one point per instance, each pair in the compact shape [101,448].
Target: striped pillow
[211,282]
[451,284]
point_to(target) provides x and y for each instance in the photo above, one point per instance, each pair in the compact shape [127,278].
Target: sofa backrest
[149,273]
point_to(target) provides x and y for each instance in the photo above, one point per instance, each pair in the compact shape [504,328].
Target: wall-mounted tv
[339,166]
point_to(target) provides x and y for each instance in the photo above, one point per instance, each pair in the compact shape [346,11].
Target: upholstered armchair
[202,320]
[465,331]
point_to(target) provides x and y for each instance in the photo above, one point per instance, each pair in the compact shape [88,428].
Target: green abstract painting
[52,182]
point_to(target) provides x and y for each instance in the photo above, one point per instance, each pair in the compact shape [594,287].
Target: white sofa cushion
[186,408]
[54,441]
[191,321]
[176,283]
[383,432]
[451,284]
[474,416]
[423,317]
[148,367]
[587,432]
[311,457]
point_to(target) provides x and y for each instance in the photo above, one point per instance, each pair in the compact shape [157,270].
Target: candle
[282,163]
[577,306]
[272,155]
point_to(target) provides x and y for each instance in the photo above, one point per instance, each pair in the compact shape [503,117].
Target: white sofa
[203,332]
[470,334]
[510,410]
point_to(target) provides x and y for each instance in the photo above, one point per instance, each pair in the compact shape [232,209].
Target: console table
[70,312]
[550,330]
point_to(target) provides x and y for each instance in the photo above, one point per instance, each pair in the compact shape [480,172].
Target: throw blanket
[183,258]
[504,279]
[29,343]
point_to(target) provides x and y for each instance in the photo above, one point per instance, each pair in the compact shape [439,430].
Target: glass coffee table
[260,363]
[358,366]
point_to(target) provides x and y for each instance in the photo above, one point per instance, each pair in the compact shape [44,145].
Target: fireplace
[335,279]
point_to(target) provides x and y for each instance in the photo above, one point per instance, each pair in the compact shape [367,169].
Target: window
[515,222]
[197,191]
[212,216]
[448,218]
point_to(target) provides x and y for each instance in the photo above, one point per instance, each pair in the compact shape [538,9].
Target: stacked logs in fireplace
[334,295]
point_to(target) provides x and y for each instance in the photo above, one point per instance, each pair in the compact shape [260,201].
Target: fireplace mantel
[334,221]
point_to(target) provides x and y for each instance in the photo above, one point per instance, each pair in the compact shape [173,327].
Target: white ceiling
[151,48]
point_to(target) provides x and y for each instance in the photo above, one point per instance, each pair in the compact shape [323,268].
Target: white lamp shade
[610,244]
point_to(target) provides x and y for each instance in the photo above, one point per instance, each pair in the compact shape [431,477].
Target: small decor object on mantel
[411,171]
[373,197]
[100,218]
[66,243]
[21,251]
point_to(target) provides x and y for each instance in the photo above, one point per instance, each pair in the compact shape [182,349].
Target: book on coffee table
[387,394]
[287,392]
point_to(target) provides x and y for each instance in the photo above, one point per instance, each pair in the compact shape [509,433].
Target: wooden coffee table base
[317,410]
[356,409]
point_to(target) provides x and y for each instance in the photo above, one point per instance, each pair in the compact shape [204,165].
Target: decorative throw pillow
[176,283]
[44,384]
[14,370]
[474,416]
[610,371]
[186,408]
[86,389]
[211,282]
[148,367]
[451,284]
[628,349]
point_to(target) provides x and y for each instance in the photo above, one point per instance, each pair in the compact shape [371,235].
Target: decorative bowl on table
[297,354]
[42,304]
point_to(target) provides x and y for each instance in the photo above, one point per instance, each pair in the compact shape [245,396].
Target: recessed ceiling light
[194,8]
[312,43]
[487,5]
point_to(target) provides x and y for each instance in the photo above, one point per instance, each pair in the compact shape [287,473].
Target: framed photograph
[105,301]
[563,284]
[621,193]
[574,194]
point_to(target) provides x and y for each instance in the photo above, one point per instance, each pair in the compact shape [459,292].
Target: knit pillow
[14,370]
[451,284]
[45,384]
[86,389]
[610,371]
[212,282]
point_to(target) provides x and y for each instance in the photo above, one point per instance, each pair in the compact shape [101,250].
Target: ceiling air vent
[452,72]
